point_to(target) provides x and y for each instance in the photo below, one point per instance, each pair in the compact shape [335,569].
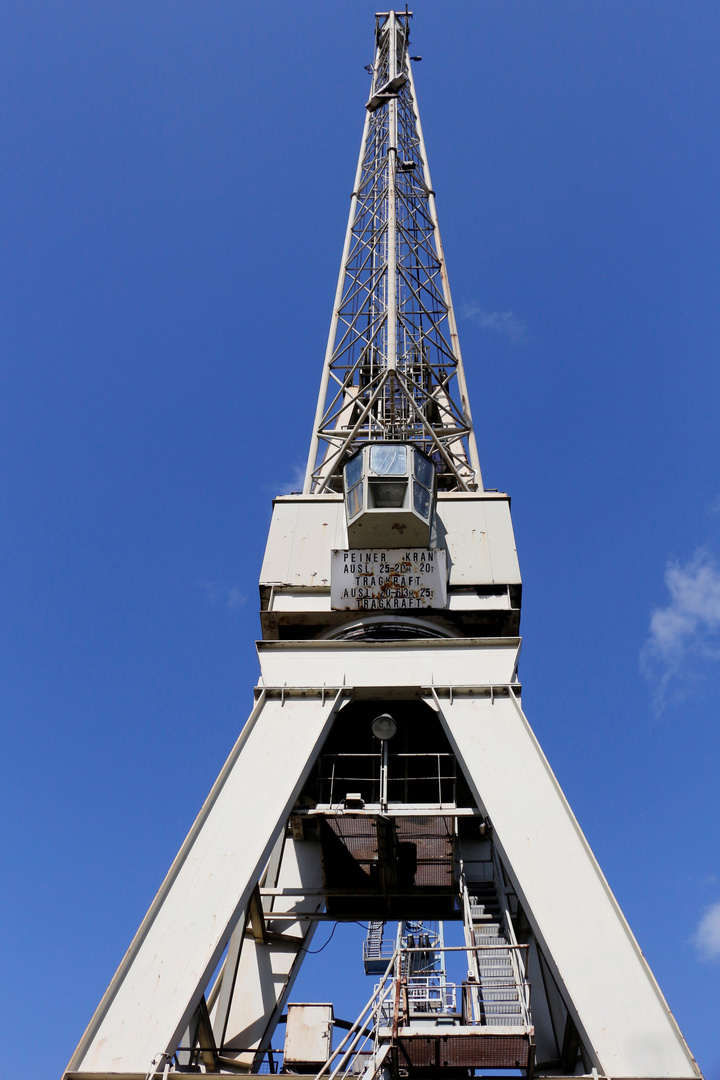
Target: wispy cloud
[707,936]
[504,323]
[295,483]
[228,596]
[686,632]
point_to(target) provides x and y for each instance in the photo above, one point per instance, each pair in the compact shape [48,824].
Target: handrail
[464,948]
[380,993]
[402,986]
[515,959]
[360,1034]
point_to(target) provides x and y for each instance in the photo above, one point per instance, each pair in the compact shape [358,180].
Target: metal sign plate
[388,579]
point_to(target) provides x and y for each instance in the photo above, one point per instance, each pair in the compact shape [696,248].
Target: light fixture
[384,727]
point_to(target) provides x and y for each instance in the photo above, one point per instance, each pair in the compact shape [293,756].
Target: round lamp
[384,727]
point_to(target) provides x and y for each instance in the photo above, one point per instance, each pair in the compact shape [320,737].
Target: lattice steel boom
[393,369]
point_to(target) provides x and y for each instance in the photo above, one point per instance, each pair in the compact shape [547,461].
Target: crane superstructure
[387,772]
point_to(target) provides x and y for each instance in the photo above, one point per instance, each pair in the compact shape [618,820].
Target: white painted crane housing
[387,772]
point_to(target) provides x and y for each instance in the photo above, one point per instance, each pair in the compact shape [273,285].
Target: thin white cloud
[234,598]
[707,935]
[295,483]
[504,323]
[686,632]
[228,596]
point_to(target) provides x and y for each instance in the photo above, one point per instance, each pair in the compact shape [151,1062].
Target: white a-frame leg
[609,989]
[624,1023]
[163,975]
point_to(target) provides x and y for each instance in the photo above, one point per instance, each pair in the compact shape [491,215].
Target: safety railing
[501,998]
[399,998]
[430,994]
[497,1002]
[360,1051]
[383,949]
[411,777]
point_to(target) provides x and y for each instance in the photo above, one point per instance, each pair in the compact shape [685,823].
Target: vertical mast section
[393,369]
[452,322]
[325,379]
[392,157]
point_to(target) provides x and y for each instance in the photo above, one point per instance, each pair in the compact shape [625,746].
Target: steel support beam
[162,978]
[613,998]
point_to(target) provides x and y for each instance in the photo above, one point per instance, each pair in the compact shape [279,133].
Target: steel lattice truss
[393,368]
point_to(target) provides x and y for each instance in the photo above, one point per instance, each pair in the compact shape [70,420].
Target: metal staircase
[495,996]
[375,952]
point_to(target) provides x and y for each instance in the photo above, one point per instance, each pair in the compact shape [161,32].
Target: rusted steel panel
[373,853]
[464,1051]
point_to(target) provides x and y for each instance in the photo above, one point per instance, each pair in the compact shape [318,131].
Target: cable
[314,952]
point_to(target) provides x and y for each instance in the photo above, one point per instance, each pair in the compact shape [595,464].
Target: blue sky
[174,183]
